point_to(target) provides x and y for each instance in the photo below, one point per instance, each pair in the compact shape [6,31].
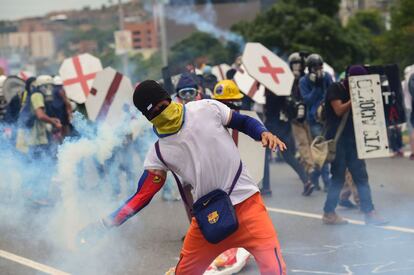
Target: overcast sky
[15,9]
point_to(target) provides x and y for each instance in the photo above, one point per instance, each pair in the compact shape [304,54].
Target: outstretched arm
[255,129]
[149,184]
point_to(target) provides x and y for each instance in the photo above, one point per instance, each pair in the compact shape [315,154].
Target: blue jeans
[347,157]
[316,130]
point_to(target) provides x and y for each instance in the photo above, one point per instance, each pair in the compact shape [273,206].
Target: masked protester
[34,136]
[338,104]
[313,87]
[296,112]
[35,119]
[60,106]
[187,134]
[187,88]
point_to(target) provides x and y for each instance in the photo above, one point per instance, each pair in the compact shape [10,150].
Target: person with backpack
[60,107]
[338,105]
[36,124]
[195,145]
[34,138]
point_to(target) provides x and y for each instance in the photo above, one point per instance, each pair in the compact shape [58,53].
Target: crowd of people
[38,119]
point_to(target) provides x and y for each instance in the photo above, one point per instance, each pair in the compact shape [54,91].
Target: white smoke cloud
[205,21]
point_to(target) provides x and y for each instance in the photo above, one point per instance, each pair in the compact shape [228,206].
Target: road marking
[319,217]
[41,267]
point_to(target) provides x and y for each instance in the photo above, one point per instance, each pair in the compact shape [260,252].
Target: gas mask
[318,71]
[296,69]
[47,91]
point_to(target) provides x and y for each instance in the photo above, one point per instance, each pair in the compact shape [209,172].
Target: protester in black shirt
[338,103]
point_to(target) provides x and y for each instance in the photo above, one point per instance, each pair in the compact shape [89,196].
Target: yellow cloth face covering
[170,120]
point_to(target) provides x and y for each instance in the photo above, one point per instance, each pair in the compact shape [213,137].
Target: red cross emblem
[81,77]
[273,71]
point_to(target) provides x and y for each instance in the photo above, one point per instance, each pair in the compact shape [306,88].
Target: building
[37,44]
[144,34]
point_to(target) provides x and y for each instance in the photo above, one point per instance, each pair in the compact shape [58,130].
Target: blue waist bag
[214,212]
[215,216]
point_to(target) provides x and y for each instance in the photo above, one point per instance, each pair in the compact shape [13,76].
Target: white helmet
[2,79]
[43,80]
[57,80]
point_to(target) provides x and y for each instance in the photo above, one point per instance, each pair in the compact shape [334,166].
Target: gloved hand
[313,77]
[92,233]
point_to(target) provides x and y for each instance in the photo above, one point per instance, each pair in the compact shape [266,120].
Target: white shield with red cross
[220,71]
[268,69]
[251,152]
[78,73]
[110,96]
[249,86]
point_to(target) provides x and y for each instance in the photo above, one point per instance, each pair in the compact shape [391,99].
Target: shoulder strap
[341,126]
[177,179]
[236,178]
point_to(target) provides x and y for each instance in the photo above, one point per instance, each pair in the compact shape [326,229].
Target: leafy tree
[200,44]
[397,44]
[149,68]
[285,28]
[365,29]
[326,7]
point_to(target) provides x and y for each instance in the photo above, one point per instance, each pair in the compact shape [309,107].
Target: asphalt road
[150,242]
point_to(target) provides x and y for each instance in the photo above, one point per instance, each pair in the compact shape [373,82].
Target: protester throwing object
[229,211]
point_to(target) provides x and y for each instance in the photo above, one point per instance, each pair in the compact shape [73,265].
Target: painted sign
[368,115]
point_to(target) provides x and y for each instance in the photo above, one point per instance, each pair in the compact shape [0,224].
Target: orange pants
[255,233]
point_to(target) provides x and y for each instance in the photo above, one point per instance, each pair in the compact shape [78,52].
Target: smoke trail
[204,21]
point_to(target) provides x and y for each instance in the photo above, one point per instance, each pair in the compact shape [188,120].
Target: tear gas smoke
[92,174]
[204,21]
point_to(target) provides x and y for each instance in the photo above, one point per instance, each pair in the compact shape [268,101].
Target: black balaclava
[148,94]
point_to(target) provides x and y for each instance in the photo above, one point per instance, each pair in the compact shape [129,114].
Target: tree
[200,44]
[326,7]
[149,68]
[365,29]
[285,28]
[397,44]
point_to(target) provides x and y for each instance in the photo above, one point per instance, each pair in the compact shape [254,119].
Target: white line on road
[41,267]
[319,217]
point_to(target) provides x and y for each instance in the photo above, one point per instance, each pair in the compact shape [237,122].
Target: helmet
[2,79]
[226,90]
[43,80]
[314,60]
[207,69]
[295,58]
[57,80]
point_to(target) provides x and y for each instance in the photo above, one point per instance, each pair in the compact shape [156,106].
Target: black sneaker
[308,189]
[317,187]
[347,204]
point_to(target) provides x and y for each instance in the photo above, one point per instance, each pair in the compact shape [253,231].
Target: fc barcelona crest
[213,217]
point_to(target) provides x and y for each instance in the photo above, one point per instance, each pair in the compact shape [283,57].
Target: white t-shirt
[203,153]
